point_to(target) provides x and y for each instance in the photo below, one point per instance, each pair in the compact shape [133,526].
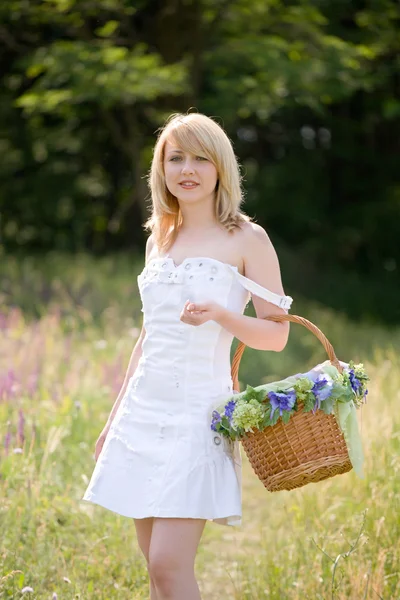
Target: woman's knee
[165,571]
[172,553]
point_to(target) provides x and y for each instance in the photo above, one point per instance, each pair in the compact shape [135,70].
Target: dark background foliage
[309,93]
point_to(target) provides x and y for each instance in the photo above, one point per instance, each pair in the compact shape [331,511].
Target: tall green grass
[67,329]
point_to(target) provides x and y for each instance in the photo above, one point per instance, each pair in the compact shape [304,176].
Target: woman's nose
[187,167]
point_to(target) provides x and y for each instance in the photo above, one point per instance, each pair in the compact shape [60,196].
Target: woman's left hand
[197,313]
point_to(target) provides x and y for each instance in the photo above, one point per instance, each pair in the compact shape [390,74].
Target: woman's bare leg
[143,533]
[172,554]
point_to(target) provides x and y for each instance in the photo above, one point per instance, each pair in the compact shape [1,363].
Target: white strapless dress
[161,458]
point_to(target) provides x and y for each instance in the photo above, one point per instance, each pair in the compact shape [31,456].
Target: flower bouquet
[303,428]
[322,388]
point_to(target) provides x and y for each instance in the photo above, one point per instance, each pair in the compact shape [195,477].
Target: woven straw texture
[309,448]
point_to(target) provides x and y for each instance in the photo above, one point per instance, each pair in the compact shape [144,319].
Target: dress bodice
[205,273]
[164,288]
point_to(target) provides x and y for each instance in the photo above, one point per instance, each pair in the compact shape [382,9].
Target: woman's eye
[175,158]
[201,158]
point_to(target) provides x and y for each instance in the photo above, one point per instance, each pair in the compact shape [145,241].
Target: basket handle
[279,319]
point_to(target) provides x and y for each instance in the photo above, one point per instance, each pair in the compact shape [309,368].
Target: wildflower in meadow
[8,385]
[21,423]
[7,439]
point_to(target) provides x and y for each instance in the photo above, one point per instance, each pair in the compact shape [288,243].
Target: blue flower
[282,400]
[216,418]
[354,381]
[321,389]
[229,408]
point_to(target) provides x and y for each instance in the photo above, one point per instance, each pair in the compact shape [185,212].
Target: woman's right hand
[100,441]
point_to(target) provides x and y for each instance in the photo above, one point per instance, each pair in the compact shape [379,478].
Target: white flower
[100,344]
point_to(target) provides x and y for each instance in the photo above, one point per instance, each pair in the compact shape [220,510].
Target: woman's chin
[191,197]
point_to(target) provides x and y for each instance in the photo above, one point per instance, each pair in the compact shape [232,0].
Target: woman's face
[188,177]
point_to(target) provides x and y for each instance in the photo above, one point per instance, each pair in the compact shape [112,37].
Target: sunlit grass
[62,360]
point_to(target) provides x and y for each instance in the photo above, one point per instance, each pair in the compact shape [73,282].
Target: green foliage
[309,402]
[296,64]
[96,72]
[253,394]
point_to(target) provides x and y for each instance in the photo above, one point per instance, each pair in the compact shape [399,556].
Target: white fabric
[160,457]
[284,302]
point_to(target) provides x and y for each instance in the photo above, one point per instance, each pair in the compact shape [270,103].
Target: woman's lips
[188,186]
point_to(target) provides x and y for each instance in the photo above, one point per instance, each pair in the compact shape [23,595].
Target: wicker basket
[309,448]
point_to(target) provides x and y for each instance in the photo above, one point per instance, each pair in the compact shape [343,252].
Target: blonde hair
[200,135]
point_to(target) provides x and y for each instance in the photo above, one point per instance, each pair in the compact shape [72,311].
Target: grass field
[67,330]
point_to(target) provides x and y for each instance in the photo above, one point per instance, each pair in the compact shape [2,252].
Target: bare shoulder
[260,259]
[254,242]
[149,246]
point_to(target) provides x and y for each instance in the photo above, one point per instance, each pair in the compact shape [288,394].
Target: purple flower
[7,440]
[321,389]
[229,408]
[354,381]
[216,418]
[21,422]
[8,385]
[282,400]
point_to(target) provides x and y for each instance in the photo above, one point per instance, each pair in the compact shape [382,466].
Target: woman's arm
[255,332]
[135,356]
[133,363]
[262,266]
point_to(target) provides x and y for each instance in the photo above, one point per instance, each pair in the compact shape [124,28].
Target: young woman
[158,460]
